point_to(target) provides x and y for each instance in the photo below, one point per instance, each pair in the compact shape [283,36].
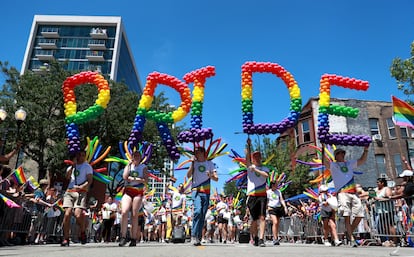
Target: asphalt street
[207,250]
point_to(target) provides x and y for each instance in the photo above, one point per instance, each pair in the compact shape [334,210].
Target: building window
[373,126]
[404,132]
[296,136]
[398,164]
[391,128]
[306,131]
[380,164]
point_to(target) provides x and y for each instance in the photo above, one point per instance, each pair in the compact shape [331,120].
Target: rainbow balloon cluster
[161,118]
[247,98]
[74,118]
[325,108]
[197,133]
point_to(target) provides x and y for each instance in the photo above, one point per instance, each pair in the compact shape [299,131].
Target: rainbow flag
[59,204]
[18,176]
[403,113]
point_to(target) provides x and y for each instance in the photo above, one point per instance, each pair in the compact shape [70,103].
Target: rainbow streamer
[10,203]
[118,196]
[102,178]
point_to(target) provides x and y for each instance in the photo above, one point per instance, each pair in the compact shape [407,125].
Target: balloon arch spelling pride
[196,133]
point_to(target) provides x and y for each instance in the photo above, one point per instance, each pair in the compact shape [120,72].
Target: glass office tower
[81,43]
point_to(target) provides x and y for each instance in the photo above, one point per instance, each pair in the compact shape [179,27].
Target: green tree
[44,129]
[283,151]
[403,72]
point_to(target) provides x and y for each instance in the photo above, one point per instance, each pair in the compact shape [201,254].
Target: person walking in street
[135,176]
[202,171]
[277,208]
[74,199]
[328,217]
[343,176]
[109,210]
[257,176]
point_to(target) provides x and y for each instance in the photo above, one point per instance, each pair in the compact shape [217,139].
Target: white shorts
[350,205]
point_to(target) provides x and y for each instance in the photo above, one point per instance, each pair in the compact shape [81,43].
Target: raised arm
[406,163]
[248,152]
[363,157]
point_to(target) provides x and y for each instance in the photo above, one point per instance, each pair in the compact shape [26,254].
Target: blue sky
[351,38]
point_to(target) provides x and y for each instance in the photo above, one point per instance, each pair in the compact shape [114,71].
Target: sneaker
[133,242]
[83,238]
[354,244]
[122,242]
[327,243]
[276,242]
[262,243]
[256,241]
[195,241]
[338,242]
[65,243]
[224,242]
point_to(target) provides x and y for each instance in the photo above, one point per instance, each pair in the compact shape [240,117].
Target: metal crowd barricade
[16,220]
[312,229]
[388,221]
[291,228]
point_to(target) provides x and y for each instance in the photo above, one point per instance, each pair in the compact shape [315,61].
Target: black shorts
[278,211]
[257,206]
[141,220]
[221,220]
[327,214]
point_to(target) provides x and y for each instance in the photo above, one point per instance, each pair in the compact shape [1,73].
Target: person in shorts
[257,175]
[74,199]
[277,208]
[328,216]
[343,176]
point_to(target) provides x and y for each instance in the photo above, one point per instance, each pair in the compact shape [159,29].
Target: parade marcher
[178,204]
[109,210]
[135,176]
[343,177]
[277,208]
[202,171]
[328,217]
[74,199]
[257,175]
[222,220]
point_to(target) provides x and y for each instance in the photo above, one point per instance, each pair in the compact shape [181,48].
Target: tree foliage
[403,72]
[43,132]
[283,149]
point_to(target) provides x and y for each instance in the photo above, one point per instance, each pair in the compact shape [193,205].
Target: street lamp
[3,115]
[20,116]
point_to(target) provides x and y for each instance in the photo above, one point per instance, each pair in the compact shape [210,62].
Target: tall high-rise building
[80,43]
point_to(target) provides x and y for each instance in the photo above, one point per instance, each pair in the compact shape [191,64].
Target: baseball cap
[338,150]
[406,173]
